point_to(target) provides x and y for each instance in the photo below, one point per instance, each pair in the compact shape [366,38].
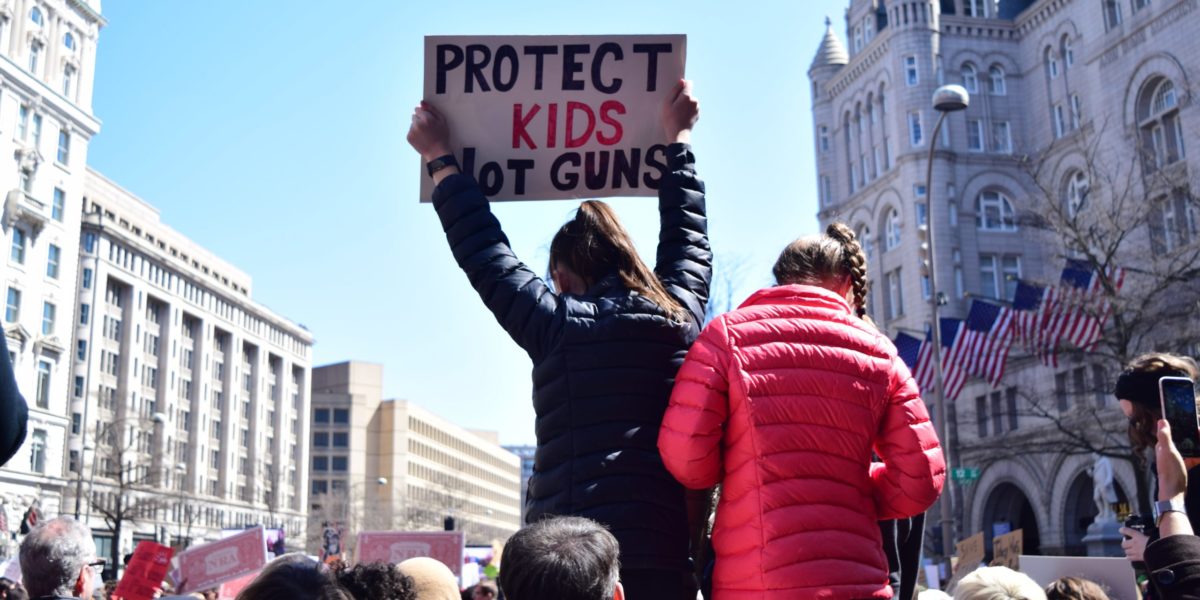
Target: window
[1160,125]
[826,191]
[18,245]
[823,139]
[1173,222]
[1001,137]
[341,415]
[35,15]
[69,40]
[998,276]
[43,384]
[895,304]
[1140,4]
[12,310]
[64,146]
[1068,52]
[23,122]
[1051,63]
[997,81]
[1075,197]
[892,227]
[58,207]
[320,463]
[1010,398]
[341,440]
[975,135]
[1060,125]
[911,75]
[320,487]
[68,78]
[993,212]
[970,78]
[37,449]
[981,416]
[339,464]
[53,257]
[858,38]
[974,8]
[37,130]
[78,389]
[1076,112]
[926,287]
[89,242]
[1112,14]
[35,56]
[321,415]
[915,136]
[48,311]
[80,349]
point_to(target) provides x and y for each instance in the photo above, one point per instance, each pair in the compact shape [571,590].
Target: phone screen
[1179,409]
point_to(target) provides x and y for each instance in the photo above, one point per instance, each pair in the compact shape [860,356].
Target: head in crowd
[485,590]
[594,245]
[998,583]
[567,558]
[431,580]
[1074,588]
[1137,391]
[57,559]
[294,577]
[11,590]
[376,581]
[834,261]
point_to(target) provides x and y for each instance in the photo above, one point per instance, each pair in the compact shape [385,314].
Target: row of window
[1113,11]
[12,311]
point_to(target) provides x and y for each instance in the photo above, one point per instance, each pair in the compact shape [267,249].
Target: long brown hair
[594,245]
[1143,420]
[826,261]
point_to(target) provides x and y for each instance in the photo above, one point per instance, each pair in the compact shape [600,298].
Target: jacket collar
[795,293]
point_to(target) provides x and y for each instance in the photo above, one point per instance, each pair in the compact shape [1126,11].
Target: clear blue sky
[273,134]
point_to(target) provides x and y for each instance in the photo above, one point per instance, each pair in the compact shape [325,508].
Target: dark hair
[565,558]
[1074,588]
[595,245]
[825,260]
[1142,392]
[294,577]
[376,581]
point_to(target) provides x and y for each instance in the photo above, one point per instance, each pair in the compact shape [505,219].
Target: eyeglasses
[97,566]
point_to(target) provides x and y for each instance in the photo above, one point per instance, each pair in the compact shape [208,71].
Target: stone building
[1064,94]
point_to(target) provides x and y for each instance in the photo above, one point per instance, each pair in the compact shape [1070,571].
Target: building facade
[47,63]
[526,454]
[188,400]
[392,465]
[1076,107]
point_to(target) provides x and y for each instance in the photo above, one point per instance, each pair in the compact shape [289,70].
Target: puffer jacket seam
[738,384]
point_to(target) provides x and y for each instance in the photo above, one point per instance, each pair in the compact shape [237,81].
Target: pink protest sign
[398,546]
[209,565]
[230,589]
[145,572]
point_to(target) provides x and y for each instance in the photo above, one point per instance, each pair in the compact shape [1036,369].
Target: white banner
[555,117]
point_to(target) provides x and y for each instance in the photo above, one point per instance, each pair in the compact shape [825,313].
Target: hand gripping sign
[555,117]
[209,565]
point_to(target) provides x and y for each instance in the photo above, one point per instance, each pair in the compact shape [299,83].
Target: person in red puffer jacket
[783,401]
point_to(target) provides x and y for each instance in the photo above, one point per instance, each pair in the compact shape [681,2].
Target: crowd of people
[780,451]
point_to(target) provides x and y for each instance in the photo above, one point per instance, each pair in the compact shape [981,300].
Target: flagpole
[946,99]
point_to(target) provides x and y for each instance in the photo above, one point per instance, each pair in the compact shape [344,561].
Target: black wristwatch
[440,163]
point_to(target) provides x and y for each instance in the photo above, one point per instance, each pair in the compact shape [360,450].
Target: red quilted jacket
[783,401]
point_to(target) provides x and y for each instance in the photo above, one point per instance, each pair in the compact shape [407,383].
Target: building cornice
[46,97]
[1037,15]
[86,9]
[858,66]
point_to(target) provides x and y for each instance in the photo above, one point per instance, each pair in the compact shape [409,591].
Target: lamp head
[951,98]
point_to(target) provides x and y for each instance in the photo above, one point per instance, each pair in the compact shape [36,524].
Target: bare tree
[730,272]
[124,491]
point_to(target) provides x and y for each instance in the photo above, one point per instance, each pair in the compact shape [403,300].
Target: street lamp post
[946,99]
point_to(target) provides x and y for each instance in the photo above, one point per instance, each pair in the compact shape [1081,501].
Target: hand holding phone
[1178,398]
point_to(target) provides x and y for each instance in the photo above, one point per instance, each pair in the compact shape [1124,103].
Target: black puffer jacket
[604,364]
[13,412]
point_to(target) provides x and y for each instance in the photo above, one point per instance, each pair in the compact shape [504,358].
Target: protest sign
[970,553]
[398,546]
[554,117]
[230,589]
[1006,550]
[145,572]
[209,565]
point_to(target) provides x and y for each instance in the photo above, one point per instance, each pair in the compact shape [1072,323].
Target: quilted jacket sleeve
[911,475]
[690,437]
[520,300]
[684,261]
[13,412]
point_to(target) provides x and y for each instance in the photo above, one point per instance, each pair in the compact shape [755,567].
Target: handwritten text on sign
[553,117]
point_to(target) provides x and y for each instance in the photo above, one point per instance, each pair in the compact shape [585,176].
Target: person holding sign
[606,336]
[783,401]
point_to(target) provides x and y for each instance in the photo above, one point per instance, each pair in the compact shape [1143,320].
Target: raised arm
[690,437]
[911,475]
[520,300]
[684,261]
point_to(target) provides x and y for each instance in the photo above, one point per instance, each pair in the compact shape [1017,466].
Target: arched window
[994,212]
[1068,52]
[35,15]
[871,116]
[1159,123]
[864,239]
[69,41]
[1076,194]
[891,239]
[997,85]
[1051,63]
[970,78]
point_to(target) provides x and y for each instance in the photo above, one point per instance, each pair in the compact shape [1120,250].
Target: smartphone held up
[1178,397]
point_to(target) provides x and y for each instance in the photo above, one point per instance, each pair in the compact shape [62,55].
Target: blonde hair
[827,259]
[998,583]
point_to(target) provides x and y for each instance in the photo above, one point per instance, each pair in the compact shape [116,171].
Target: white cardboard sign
[555,117]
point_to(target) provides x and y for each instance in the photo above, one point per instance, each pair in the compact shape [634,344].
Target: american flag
[987,339]
[1027,306]
[954,357]
[925,372]
[1075,311]
[915,353]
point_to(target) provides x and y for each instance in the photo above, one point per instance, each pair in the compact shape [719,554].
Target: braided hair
[825,259]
